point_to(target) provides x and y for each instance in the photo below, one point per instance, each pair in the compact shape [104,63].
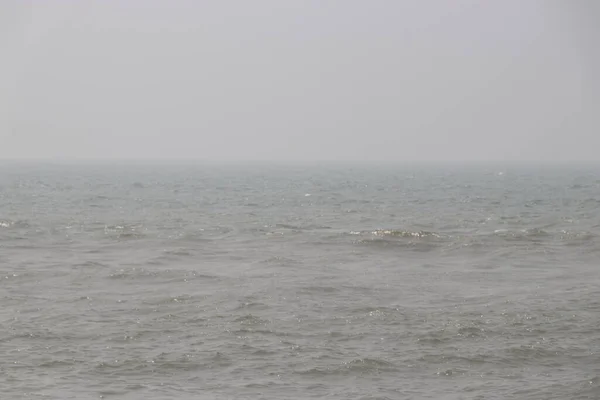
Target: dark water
[225,282]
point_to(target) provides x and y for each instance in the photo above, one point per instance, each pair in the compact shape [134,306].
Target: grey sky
[300,80]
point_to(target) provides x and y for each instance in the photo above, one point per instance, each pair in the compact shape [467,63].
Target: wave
[160,364]
[358,365]
[405,234]
[125,231]
[179,252]
[251,320]
[421,241]
[395,233]
[279,261]
[574,238]
[319,289]
[303,227]
[541,236]
[7,223]
[532,233]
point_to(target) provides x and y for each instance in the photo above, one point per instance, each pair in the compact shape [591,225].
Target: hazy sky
[301,79]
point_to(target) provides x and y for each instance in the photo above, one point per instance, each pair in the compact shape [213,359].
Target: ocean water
[299,282]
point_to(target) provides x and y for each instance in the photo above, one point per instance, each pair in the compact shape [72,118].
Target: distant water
[255,282]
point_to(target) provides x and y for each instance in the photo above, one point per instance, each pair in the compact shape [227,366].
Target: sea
[299,281]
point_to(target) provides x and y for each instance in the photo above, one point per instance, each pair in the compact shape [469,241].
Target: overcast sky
[418,80]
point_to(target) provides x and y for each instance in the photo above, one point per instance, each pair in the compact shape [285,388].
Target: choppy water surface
[250,282]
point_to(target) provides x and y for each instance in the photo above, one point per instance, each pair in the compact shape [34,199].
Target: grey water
[131,281]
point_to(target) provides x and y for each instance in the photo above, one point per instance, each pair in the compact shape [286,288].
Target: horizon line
[190,160]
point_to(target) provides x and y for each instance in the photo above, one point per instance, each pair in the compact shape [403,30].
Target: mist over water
[167,280]
[359,282]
